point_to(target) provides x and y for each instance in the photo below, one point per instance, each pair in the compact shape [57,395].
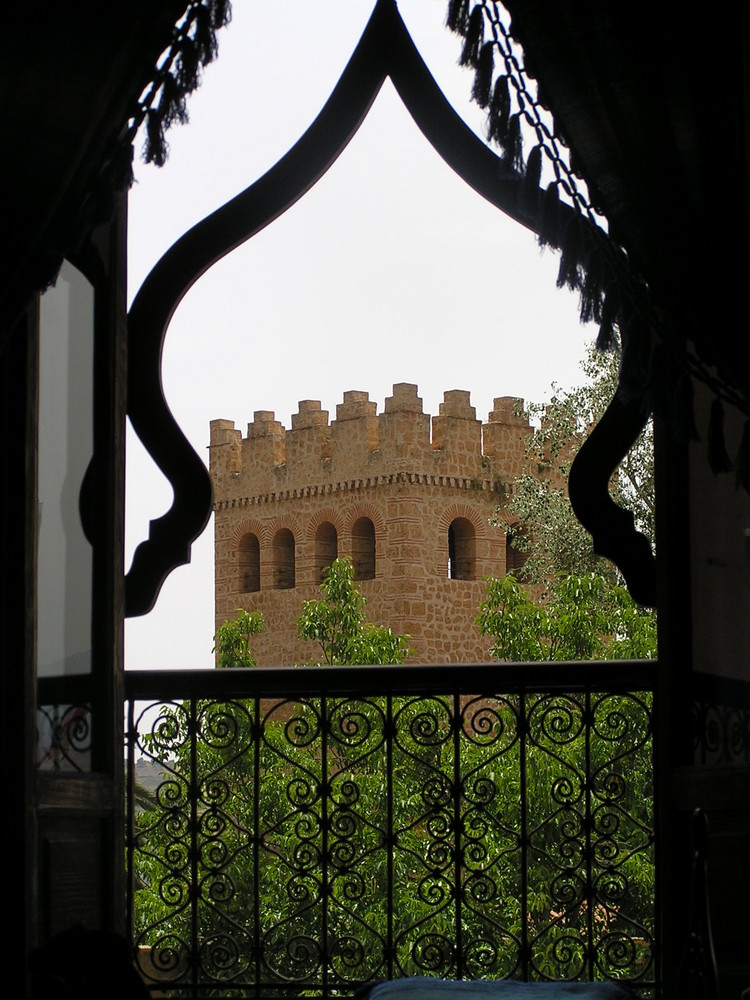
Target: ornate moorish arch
[384,51]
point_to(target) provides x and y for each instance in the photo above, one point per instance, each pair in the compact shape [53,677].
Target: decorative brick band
[353,485]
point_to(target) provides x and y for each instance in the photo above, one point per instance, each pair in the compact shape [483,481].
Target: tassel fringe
[172,104]
[474,38]
[221,13]
[194,47]
[458,16]
[483,79]
[188,67]
[205,36]
[548,231]
[530,187]
[513,146]
[569,274]
[606,338]
[155,149]
[499,113]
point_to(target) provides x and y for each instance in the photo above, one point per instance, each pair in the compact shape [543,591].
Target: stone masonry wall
[411,475]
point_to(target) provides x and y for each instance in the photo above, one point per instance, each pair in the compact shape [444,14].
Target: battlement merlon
[361,442]
[225,450]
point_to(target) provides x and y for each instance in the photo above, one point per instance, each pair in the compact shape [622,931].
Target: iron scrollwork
[320,842]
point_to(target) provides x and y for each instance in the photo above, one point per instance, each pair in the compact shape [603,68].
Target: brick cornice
[366,482]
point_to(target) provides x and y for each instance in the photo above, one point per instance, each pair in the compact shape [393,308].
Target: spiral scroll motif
[338,840]
[63,737]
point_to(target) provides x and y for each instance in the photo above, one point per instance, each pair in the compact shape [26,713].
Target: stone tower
[407,496]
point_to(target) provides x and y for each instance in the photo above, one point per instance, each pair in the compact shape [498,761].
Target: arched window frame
[283,553]
[248,563]
[326,547]
[364,549]
[462,549]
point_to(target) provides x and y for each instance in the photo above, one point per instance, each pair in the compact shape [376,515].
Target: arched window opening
[515,559]
[461,550]
[363,549]
[326,547]
[283,560]
[248,561]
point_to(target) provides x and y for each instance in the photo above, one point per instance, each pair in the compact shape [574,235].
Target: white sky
[389,270]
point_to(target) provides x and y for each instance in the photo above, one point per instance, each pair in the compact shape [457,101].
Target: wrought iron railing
[309,830]
[721,720]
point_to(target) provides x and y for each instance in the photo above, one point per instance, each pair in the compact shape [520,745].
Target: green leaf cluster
[232,639]
[292,829]
[538,515]
[580,618]
[337,623]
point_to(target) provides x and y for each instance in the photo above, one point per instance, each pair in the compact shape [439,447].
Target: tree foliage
[337,623]
[582,618]
[232,639]
[258,845]
[538,515]
[255,795]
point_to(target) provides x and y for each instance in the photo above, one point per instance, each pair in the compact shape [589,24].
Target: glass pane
[66,349]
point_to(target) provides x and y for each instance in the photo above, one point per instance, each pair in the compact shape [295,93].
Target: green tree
[238,821]
[337,623]
[538,515]
[232,639]
[581,618]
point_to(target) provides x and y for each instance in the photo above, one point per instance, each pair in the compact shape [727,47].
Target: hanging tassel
[155,146]
[188,66]
[513,146]
[606,338]
[590,307]
[221,13]
[549,226]
[458,16]
[592,289]
[682,408]
[718,457]
[172,104]
[474,37]
[742,462]
[530,187]
[499,113]
[204,36]
[569,274]
[480,92]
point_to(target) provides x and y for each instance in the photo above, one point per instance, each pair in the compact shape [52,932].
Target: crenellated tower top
[361,443]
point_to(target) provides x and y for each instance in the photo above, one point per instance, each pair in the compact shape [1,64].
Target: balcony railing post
[194,793]
[458,844]
[325,791]
[523,730]
[390,843]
